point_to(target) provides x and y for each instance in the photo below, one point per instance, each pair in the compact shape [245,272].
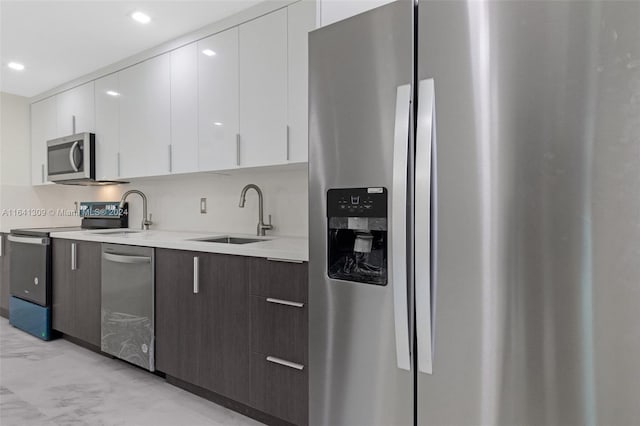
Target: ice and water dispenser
[357,235]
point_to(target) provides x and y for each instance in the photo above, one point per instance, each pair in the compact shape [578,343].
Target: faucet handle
[269,220]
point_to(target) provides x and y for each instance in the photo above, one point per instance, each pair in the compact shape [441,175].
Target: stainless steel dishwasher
[128,329]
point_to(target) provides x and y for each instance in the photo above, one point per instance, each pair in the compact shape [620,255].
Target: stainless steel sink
[116,232]
[230,240]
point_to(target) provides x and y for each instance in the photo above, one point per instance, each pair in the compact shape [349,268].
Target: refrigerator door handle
[424,209]
[399,227]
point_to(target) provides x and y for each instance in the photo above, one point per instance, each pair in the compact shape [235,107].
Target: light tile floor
[59,383]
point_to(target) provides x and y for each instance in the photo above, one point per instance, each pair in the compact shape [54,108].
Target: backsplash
[174,201]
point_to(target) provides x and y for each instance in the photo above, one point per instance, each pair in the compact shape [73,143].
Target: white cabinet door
[218,100]
[76,108]
[263,90]
[44,126]
[145,118]
[107,97]
[302,19]
[184,110]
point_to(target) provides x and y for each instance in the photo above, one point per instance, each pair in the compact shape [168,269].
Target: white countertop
[274,247]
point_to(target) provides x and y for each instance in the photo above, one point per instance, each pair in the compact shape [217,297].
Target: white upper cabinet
[145,118]
[238,98]
[301,20]
[44,126]
[107,95]
[263,90]
[184,110]
[218,101]
[76,112]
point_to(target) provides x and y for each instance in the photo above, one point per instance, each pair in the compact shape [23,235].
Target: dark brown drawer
[279,327]
[282,280]
[279,390]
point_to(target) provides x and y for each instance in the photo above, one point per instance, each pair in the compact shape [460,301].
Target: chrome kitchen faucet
[145,222]
[261,225]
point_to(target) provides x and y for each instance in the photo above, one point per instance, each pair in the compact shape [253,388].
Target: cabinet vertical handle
[73,124]
[118,163]
[1,245]
[170,159]
[288,142]
[237,149]
[42,171]
[74,259]
[196,275]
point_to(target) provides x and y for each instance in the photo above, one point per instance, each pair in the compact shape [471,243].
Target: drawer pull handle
[285,302]
[284,362]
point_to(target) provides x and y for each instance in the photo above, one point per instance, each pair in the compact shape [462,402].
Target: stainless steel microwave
[71,159]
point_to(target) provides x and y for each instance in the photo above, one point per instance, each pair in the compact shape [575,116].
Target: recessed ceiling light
[217,123]
[143,18]
[112,93]
[15,66]
[209,52]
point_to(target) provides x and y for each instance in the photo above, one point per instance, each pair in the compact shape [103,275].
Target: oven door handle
[29,240]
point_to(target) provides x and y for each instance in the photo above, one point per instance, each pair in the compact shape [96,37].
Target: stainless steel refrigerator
[474,205]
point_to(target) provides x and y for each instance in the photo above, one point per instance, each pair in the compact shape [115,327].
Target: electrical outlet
[203,205]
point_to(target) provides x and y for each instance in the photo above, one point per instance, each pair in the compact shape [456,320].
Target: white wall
[16,192]
[174,201]
[336,10]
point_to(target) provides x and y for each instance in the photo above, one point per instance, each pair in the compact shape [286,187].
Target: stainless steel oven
[71,158]
[31,267]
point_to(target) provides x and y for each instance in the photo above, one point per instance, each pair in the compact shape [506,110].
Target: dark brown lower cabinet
[279,390]
[279,327]
[76,289]
[279,333]
[203,320]
[4,275]
[236,327]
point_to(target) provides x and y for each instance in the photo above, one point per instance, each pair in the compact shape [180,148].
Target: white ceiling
[58,41]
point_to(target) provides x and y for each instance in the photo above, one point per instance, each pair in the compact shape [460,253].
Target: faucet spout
[145,221]
[260,231]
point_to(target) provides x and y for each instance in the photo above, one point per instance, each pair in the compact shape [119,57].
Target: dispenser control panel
[357,202]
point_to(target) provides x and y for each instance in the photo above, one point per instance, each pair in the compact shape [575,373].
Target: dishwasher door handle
[125,258]
[29,240]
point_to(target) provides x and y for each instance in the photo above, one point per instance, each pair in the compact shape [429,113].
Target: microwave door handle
[398,235]
[72,159]
[424,225]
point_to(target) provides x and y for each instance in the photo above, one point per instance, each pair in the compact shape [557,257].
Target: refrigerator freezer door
[355,68]
[537,124]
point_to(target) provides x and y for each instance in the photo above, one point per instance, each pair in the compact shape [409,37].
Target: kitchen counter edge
[274,247]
